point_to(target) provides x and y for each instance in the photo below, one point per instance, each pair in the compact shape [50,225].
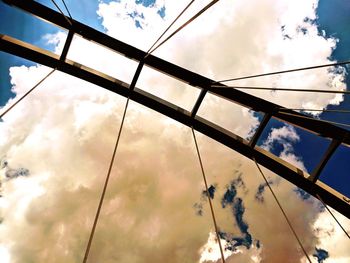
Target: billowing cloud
[154,210]
[285,136]
[271,239]
[331,237]
[232,40]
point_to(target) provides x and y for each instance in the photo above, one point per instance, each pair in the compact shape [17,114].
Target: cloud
[285,136]
[331,237]
[63,133]
[266,224]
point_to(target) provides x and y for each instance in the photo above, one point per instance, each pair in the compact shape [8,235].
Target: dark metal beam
[322,129]
[260,129]
[315,126]
[198,102]
[67,45]
[328,154]
[136,75]
[242,146]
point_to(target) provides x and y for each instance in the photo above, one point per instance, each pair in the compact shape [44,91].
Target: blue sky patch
[259,194]
[309,20]
[230,199]
[137,24]
[211,190]
[231,190]
[236,206]
[305,196]
[137,17]
[258,244]
[229,195]
[302,194]
[238,209]
[161,12]
[302,29]
[321,255]
[198,207]
[146,3]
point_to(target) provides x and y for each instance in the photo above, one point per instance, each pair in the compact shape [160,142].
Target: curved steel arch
[307,182]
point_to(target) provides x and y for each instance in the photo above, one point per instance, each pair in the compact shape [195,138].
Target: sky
[56,145]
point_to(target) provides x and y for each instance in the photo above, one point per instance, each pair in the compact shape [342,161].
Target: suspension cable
[65,6]
[283,212]
[208,195]
[285,89]
[330,212]
[320,110]
[286,71]
[26,94]
[59,9]
[185,24]
[166,30]
[310,118]
[105,185]
[131,88]
[44,78]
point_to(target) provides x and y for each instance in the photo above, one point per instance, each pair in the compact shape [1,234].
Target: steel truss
[305,181]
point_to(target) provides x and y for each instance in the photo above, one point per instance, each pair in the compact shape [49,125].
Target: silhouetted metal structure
[307,182]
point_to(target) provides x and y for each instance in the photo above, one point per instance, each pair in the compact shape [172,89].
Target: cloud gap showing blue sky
[57,143]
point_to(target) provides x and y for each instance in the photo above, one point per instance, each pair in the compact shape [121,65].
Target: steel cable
[208,195]
[185,24]
[336,220]
[283,212]
[26,94]
[285,89]
[87,251]
[286,71]
[166,30]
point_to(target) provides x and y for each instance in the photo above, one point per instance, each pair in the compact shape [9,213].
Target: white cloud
[64,133]
[285,136]
[231,39]
[4,255]
[331,236]
[211,250]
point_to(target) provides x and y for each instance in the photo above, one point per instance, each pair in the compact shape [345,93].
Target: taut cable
[208,195]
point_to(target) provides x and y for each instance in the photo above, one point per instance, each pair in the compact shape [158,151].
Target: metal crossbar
[244,147]
[182,74]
